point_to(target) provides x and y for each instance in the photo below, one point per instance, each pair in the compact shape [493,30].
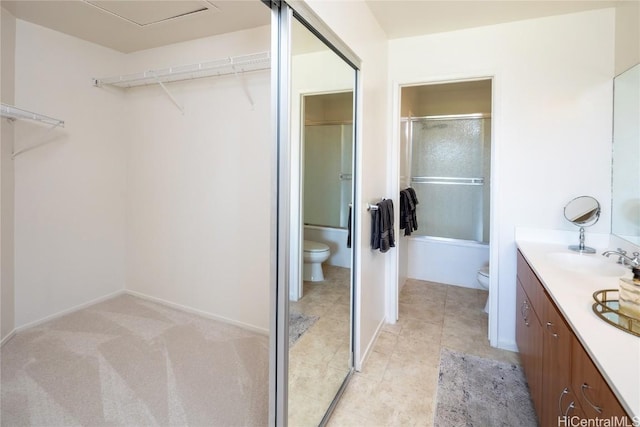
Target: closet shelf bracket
[15,113]
[244,85]
[171,97]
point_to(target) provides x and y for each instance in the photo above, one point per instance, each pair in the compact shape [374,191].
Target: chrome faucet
[623,258]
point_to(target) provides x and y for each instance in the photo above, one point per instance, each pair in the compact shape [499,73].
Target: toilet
[315,253]
[483,279]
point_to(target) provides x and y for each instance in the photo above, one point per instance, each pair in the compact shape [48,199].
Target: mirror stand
[581,247]
[582,211]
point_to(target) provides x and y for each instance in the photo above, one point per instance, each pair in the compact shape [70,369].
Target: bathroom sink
[587,264]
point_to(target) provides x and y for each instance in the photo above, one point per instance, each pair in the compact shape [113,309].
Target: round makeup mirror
[583,211]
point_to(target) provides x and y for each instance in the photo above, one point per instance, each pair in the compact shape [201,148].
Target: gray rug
[298,325]
[473,391]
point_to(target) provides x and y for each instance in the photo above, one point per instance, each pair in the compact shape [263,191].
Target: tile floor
[398,384]
[319,360]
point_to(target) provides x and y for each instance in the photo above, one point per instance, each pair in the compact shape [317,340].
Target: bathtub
[448,261]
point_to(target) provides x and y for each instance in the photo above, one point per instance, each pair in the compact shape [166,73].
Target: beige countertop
[615,352]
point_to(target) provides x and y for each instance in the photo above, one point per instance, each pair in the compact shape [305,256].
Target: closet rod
[219,67]
[13,113]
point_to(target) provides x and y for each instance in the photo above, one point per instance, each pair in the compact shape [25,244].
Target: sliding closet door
[316,113]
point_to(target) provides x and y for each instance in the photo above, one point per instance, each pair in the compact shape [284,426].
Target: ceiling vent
[145,13]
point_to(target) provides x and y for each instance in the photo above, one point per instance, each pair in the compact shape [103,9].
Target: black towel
[382,235]
[349,228]
[375,228]
[408,218]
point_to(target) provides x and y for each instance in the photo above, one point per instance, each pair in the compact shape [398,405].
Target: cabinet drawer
[531,285]
[592,392]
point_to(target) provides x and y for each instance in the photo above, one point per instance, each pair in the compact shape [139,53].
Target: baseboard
[369,348]
[7,338]
[202,313]
[508,345]
[69,310]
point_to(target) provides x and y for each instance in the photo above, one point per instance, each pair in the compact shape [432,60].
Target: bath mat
[473,391]
[298,325]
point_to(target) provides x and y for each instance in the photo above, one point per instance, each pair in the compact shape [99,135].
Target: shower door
[327,174]
[450,169]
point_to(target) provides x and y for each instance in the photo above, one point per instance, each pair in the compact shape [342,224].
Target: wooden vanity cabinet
[592,392]
[563,381]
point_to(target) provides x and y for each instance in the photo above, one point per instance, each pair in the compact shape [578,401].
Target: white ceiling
[405,18]
[129,26]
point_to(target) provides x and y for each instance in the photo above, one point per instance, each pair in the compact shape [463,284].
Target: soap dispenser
[629,295]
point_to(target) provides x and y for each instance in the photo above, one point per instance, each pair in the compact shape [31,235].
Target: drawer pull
[570,407]
[565,391]
[549,326]
[524,311]
[584,396]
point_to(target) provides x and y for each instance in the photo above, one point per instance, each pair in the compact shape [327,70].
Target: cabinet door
[529,340]
[530,284]
[592,392]
[556,362]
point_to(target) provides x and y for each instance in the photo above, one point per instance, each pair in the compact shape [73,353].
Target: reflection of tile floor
[318,361]
[398,384]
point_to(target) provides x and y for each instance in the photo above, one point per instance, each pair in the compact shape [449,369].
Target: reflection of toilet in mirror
[483,279]
[315,253]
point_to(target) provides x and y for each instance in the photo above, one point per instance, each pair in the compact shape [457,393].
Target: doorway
[445,151]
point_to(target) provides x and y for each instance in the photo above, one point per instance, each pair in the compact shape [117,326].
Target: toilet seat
[484,271]
[311,246]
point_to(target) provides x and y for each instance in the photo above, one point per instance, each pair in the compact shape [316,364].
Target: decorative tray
[607,308]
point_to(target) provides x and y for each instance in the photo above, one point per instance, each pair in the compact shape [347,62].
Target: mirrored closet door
[319,142]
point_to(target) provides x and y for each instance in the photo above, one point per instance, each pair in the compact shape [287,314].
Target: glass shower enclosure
[328,149]
[450,166]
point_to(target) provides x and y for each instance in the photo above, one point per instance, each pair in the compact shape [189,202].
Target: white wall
[7,77]
[551,117]
[132,194]
[69,193]
[369,42]
[198,184]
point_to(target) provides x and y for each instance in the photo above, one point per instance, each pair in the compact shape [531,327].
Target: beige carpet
[131,362]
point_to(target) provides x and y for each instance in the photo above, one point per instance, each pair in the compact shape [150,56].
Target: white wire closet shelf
[15,113]
[218,67]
